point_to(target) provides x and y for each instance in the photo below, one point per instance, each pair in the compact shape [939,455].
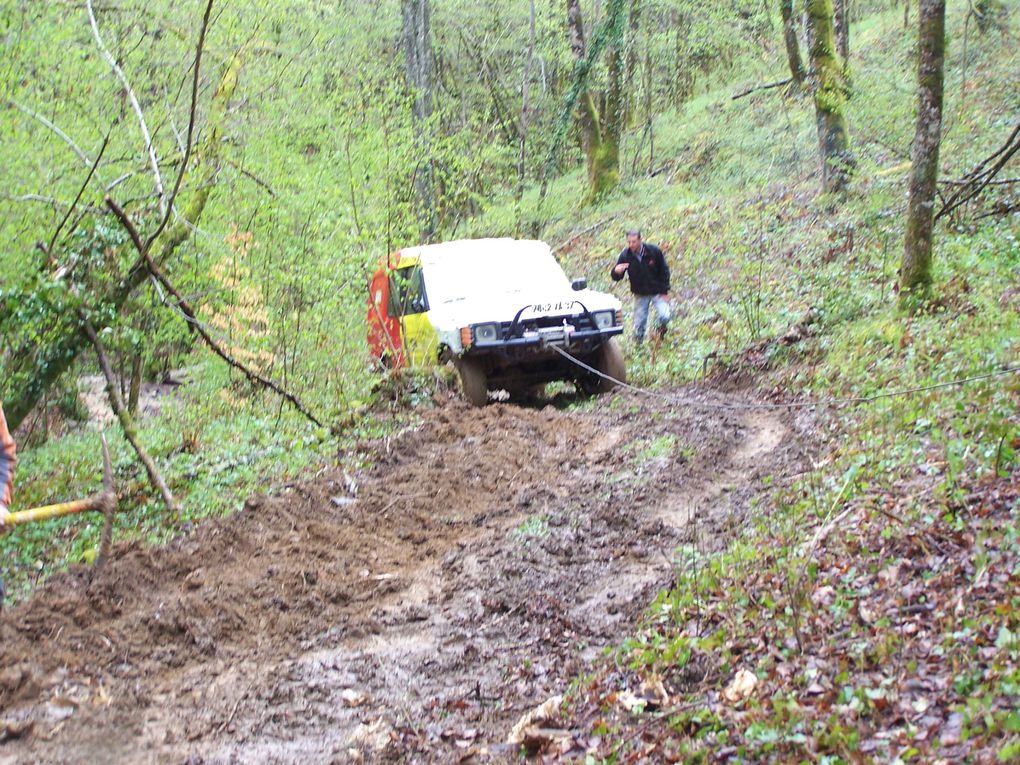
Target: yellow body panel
[421,341]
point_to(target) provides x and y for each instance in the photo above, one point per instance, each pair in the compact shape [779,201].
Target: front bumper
[564,337]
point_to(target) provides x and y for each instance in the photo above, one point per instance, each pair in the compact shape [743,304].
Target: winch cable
[816,404]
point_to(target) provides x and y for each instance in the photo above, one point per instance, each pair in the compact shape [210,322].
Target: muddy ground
[485,560]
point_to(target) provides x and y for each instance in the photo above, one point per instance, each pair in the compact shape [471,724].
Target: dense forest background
[194,194]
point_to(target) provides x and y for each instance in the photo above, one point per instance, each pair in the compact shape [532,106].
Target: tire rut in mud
[488,557]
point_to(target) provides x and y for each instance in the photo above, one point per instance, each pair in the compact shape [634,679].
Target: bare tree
[33,371]
[841,21]
[915,270]
[417,44]
[526,102]
[790,40]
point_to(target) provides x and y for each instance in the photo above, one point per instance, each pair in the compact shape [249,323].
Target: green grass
[532,527]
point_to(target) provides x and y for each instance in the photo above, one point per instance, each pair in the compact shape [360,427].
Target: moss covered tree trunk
[830,97]
[790,40]
[588,114]
[915,270]
[605,166]
[601,130]
[33,372]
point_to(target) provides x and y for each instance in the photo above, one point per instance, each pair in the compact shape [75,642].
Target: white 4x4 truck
[498,309]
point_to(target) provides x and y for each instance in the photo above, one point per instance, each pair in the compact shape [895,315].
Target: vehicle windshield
[460,275]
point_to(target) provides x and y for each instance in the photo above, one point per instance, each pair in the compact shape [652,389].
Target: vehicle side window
[407,292]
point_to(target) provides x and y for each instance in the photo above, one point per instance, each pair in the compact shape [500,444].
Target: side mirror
[579,284]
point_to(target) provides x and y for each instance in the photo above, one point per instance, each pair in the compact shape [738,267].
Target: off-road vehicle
[497,309]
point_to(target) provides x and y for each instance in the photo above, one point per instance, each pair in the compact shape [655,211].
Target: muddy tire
[609,361]
[474,382]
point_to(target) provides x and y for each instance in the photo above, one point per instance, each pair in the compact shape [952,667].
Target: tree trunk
[600,131]
[915,271]
[34,371]
[830,98]
[605,174]
[135,389]
[629,101]
[588,116]
[417,43]
[790,39]
[841,20]
[609,29]
[525,102]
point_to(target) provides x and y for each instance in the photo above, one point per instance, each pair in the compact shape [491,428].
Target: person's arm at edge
[619,261]
[664,265]
[8,458]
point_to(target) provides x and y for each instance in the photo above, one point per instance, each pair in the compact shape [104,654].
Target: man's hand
[4,513]
[621,268]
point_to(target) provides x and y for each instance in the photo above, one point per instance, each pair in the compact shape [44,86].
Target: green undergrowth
[893,553]
[217,442]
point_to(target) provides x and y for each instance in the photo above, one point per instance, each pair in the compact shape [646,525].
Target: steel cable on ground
[820,403]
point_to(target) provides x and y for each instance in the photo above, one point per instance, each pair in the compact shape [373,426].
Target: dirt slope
[487,557]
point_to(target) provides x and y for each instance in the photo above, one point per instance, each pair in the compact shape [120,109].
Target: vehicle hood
[504,306]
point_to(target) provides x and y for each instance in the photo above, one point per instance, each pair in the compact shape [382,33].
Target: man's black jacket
[648,271]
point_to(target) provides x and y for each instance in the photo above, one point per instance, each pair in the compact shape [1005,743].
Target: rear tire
[473,382]
[609,361]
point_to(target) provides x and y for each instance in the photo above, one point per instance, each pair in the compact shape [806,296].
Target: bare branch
[983,175]
[56,204]
[81,191]
[149,148]
[189,144]
[57,131]
[252,177]
[756,88]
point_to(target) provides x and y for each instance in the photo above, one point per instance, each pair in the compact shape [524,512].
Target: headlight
[486,334]
[604,319]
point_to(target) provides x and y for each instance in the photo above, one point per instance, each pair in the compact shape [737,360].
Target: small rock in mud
[195,579]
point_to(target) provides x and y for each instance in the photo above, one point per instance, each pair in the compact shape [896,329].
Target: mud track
[487,558]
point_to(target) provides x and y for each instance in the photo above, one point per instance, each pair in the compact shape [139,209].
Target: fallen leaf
[742,686]
[353,698]
[544,712]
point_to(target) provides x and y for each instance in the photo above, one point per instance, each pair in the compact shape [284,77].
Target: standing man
[7,460]
[649,281]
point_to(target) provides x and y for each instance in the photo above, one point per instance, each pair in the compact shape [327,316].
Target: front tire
[474,382]
[609,361]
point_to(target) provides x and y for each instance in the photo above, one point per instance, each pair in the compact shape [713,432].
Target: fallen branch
[756,88]
[973,184]
[252,177]
[192,317]
[574,237]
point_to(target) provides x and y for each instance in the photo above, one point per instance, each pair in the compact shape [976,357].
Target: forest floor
[482,563]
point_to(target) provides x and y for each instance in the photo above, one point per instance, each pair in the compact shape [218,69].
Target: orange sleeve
[8,458]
